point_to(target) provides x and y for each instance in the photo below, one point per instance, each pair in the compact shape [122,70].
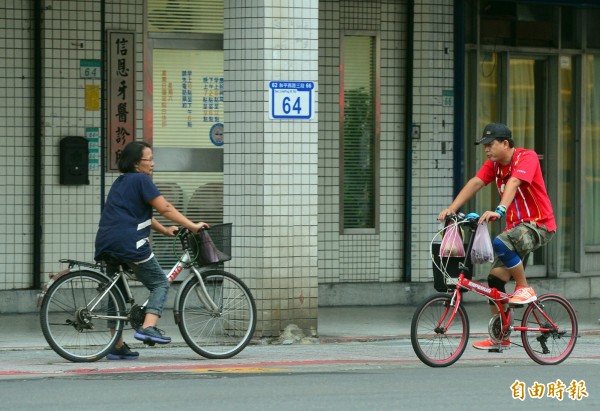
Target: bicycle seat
[111,260]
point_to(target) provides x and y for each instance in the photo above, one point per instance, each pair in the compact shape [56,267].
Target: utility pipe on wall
[408,120]
[37,144]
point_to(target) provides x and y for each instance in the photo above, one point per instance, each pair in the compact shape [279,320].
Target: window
[359,134]
[516,24]
[591,28]
[197,16]
[185,114]
[590,152]
[565,208]
[188,108]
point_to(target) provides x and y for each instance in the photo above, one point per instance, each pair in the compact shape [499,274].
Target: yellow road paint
[239,369]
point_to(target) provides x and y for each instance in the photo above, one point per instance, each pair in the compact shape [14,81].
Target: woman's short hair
[131,155]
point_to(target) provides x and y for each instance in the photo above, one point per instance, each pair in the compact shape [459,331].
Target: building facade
[333,192]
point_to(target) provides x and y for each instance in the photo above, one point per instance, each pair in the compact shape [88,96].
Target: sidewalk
[338,324]
[335,324]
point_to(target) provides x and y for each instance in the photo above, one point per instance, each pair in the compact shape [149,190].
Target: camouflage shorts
[523,239]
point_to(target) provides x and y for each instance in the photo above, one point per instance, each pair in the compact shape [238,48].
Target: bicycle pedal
[149,343]
[498,349]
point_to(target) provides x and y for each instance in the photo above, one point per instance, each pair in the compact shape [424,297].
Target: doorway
[188,132]
[527,115]
[515,89]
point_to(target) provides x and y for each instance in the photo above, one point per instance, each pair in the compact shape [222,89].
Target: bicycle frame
[83,311]
[177,269]
[498,298]
[440,325]
[197,273]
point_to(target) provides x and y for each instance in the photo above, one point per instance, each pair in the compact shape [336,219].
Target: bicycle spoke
[434,345]
[220,334]
[554,346]
[68,326]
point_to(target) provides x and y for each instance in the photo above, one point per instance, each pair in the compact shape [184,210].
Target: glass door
[527,116]
[188,136]
[516,89]
[184,108]
[566,211]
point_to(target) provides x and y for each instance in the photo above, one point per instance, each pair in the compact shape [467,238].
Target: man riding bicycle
[524,203]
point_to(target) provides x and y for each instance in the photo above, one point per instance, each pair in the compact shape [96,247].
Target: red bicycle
[440,326]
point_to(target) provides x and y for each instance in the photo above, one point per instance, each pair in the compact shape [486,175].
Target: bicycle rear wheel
[69,316]
[552,347]
[220,333]
[433,344]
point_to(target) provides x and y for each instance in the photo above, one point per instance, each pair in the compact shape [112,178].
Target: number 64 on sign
[291,99]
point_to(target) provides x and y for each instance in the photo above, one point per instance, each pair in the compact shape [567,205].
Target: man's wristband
[501,210]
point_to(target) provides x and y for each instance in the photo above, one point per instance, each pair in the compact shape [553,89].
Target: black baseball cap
[495,131]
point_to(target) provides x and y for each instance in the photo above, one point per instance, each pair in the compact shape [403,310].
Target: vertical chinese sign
[121,94]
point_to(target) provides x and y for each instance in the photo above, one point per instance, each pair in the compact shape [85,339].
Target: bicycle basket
[212,246]
[451,264]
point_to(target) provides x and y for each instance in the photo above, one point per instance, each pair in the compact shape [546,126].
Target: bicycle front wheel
[434,344]
[554,346]
[73,316]
[222,332]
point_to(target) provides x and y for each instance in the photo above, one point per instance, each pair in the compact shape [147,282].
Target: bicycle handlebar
[184,238]
[459,217]
[183,230]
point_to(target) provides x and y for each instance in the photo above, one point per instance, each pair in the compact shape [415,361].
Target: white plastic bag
[452,242]
[482,251]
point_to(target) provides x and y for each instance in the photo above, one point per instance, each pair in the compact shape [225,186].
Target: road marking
[239,369]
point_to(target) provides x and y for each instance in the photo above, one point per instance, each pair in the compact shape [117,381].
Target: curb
[314,340]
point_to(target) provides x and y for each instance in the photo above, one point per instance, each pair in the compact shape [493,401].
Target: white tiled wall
[71,213]
[362,258]
[16,142]
[433,153]
[271,165]
[282,177]
[71,32]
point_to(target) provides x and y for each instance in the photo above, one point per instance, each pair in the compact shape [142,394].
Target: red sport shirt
[531,201]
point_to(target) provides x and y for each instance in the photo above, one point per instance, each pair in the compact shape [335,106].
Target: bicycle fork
[201,292]
[452,309]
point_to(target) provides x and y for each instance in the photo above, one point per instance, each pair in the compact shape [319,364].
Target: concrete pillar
[271,165]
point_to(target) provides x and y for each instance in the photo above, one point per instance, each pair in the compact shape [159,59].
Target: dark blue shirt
[125,224]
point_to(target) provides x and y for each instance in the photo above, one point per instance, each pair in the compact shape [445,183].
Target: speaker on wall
[74,161]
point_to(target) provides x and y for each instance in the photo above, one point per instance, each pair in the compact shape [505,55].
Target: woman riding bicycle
[123,234]
[524,202]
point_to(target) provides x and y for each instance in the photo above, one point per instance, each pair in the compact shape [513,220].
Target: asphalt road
[377,375]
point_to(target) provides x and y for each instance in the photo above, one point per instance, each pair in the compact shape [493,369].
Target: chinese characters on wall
[212,100]
[188,98]
[186,94]
[121,98]
[166,95]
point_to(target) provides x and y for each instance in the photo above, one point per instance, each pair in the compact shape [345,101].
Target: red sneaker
[489,345]
[522,296]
